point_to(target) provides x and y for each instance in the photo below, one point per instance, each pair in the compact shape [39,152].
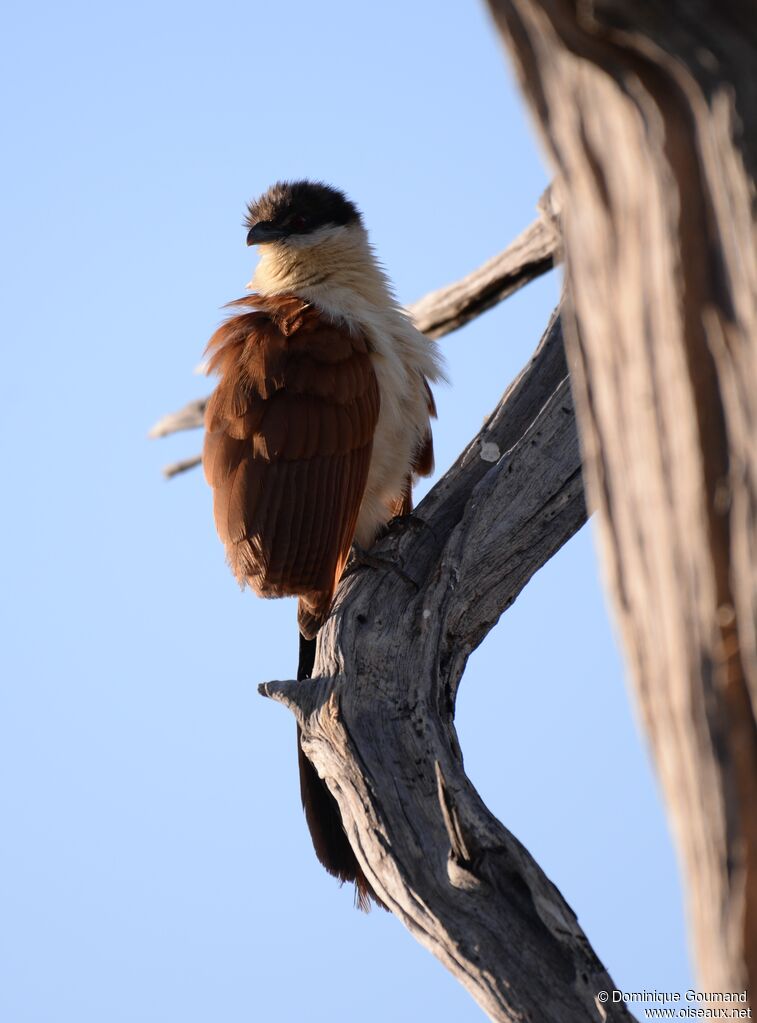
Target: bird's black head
[297,208]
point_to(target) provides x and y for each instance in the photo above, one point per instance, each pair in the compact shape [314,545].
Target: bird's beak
[264,232]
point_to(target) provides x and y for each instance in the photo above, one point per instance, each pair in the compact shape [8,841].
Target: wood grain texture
[649,112]
[377,720]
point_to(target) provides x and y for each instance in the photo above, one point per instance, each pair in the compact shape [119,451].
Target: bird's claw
[361,558]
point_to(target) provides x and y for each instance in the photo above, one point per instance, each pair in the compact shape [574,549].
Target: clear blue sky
[154,865]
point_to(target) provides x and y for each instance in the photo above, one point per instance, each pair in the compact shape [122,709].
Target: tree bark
[649,113]
[377,719]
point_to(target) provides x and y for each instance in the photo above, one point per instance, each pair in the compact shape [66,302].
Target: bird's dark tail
[330,842]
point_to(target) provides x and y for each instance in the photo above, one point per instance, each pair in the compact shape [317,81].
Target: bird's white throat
[334,268]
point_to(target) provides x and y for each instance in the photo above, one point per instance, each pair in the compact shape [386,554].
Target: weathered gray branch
[533,253]
[187,418]
[377,720]
[649,111]
[175,468]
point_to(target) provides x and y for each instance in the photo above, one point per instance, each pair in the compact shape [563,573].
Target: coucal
[318,426]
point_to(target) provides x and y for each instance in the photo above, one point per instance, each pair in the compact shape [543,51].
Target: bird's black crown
[297,207]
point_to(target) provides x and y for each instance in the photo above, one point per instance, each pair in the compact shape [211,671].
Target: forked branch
[377,720]
[378,723]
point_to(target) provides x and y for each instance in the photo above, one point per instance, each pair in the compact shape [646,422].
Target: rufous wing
[288,438]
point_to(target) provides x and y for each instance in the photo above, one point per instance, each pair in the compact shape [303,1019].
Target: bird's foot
[361,558]
[404,523]
[399,523]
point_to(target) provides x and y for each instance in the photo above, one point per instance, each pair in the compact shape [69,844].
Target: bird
[318,427]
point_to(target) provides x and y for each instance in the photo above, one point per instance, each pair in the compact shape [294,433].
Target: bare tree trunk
[649,112]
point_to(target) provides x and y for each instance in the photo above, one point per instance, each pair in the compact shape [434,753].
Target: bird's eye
[298,223]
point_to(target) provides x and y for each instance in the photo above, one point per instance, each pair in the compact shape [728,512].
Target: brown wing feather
[289,432]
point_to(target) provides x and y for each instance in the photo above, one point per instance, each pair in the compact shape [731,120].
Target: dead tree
[377,719]
[649,114]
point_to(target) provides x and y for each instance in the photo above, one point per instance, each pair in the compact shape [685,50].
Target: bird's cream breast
[341,277]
